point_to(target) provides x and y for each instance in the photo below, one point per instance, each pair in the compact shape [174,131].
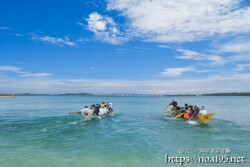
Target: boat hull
[204,118]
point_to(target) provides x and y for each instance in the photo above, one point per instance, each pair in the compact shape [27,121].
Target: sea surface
[38,131]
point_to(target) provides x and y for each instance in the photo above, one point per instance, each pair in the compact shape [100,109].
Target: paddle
[78,112]
[169,111]
[166,107]
[179,115]
[172,111]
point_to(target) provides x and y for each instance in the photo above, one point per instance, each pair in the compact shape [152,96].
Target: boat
[200,119]
[90,115]
[204,118]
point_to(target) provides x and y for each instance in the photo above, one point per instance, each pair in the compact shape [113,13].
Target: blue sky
[124,46]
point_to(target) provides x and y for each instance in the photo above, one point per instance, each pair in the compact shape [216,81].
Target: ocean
[38,131]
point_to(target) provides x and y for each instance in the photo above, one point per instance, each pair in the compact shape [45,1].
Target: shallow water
[38,131]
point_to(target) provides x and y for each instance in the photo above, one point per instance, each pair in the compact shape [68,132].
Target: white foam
[73,123]
[192,122]
[169,118]
[44,130]
[87,118]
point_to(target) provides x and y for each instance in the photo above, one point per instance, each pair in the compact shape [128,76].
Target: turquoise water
[37,131]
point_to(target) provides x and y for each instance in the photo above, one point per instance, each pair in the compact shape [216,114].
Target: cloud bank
[217,83]
[183,20]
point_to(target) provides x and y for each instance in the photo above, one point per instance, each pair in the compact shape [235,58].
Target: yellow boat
[200,119]
[204,118]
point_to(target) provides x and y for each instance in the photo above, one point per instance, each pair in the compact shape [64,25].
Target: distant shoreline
[7,95]
[125,94]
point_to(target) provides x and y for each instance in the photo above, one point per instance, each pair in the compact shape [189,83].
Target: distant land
[214,94]
[64,94]
[127,94]
[227,94]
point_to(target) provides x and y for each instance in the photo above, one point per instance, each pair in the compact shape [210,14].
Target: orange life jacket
[186,114]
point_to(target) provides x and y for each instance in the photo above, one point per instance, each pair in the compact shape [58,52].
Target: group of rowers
[96,109]
[187,111]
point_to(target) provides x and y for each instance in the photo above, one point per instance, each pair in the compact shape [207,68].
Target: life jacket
[103,105]
[186,114]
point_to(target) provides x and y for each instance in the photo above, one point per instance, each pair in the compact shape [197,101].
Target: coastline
[7,96]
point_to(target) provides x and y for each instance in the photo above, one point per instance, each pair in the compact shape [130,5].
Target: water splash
[192,122]
[44,130]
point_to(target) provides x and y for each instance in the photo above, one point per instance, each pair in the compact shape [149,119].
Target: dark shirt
[174,103]
[196,111]
[96,111]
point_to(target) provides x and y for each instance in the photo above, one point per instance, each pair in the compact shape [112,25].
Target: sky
[124,46]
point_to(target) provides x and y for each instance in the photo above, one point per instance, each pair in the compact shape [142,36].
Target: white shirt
[106,110]
[202,112]
[86,112]
[103,111]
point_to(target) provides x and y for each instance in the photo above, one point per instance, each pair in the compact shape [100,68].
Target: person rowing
[103,104]
[174,106]
[173,103]
[103,110]
[202,111]
[191,111]
[187,113]
[86,111]
[96,110]
[92,107]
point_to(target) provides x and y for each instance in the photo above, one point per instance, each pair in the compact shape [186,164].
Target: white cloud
[36,74]
[188,54]
[105,28]
[165,46]
[11,68]
[236,47]
[240,57]
[23,73]
[183,20]
[241,67]
[54,41]
[18,35]
[5,28]
[176,72]
[97,22]
[219,83]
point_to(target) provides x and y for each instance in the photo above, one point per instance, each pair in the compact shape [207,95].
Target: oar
[78,112]
[166,107]
[169,111]
[172,111]
[179,115]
